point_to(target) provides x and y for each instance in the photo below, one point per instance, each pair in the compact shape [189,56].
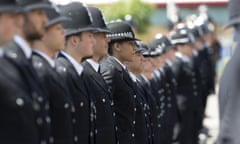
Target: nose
[44,18]
[63,30]
[93,41]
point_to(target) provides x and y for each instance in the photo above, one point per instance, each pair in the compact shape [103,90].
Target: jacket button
[133,135]
[39,121]
[134,122]
[75,138]
[134,96]
[114,114]
[135,109]
[51,140]
[47,106]
[112,103]
[103,100]
[91,134]
[73,109]
[19,102]
[81,104]
[195,93]
[43,142]
[48,119]
[66,105]
[40,99]
[36,106]
[74,120]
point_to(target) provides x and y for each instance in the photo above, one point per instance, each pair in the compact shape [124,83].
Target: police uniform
[59,97]
[168,82]
[121,86]
[84,111]
[24,106]
[229,86]
[187,88]
[97,88]
[153,95]
[143,118]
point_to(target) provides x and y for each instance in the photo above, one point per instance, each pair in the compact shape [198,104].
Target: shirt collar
[157,73]
[144,78]
[133,77]
[169,62]
[78,67]
[94,64]
[49,60]
[123,66]
[23,45]
[183,57]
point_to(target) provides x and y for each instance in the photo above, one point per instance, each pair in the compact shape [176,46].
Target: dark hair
[111,44]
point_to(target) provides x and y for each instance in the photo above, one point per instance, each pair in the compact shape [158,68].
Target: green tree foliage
[139,10]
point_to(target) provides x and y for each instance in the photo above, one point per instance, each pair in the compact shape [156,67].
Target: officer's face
[148,68]
[187,49]
[86,43]
[34,27]
[54,38]
[158,61]
[7,27]
[170,55]
[136,66]
[101,47]
[127,50]
[148,65]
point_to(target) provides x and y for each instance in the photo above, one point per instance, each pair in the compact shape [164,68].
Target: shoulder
[12,51]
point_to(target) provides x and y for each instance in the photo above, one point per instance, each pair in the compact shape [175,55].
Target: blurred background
[150,17]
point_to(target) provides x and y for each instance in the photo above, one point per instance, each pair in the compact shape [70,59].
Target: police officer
[24,106]
[79,44]
[160,90]
[115,73]
[95,84]
[229,86]
[146,79]
[45,50]
[187,90]
[167,78]
[204,74]
[143,119]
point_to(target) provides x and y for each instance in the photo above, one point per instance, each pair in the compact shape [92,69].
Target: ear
[73,40]
[117,47]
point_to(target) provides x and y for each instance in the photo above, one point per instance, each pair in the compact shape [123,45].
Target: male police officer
[229,101]
[187,90]
[122,49]
[45,50]
[143,122]
[95,84]
[25,105]
[79,44]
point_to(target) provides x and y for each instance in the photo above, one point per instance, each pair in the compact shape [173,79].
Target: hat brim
[124,39]
[11,8]
[232,22]
[102,30]
[38,6]
[141,50]
[59,19]
[70,32]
